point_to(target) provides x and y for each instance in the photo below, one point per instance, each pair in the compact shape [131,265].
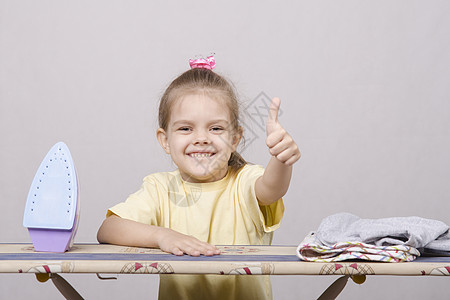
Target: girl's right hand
[178,244]
[118,231]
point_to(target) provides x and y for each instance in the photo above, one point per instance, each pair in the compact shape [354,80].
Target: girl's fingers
[179,244]
[292,159]
[209,250]
[285,149]
[288,156]
[275,137]
[281,146]
[196,248]
[193,252]
[273,110]
[176,251]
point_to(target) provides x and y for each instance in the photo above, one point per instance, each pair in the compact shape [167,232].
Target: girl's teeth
[200,155]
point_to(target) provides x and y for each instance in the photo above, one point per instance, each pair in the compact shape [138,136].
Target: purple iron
[52,208]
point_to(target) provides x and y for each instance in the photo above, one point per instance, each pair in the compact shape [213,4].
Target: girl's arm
[274,183]
[119,231]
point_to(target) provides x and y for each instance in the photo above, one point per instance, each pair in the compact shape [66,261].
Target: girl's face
[200,137]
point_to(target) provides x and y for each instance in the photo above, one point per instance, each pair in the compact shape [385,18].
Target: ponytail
[236,161]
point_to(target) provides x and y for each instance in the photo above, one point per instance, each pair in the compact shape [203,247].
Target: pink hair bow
[203,63]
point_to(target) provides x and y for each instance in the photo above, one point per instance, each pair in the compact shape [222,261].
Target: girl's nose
[201,137]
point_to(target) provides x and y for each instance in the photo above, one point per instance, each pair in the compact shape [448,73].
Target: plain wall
[364,88]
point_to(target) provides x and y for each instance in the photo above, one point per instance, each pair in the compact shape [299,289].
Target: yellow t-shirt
[225,212]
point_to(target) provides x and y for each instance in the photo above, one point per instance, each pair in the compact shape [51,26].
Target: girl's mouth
[201,154]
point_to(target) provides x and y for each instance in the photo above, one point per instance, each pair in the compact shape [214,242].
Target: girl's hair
[195,81]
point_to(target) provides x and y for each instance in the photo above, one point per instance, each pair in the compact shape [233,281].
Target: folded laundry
[344,236]
[311,249]
[409,231]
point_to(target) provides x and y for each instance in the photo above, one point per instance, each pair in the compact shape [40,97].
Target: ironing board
[234,260]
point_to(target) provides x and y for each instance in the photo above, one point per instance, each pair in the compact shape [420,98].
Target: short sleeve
[268,217]
[141,206]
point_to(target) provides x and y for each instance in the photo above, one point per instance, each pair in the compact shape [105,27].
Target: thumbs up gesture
[280,143]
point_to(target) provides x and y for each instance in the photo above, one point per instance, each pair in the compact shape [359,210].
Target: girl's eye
[216,129]
[184,129]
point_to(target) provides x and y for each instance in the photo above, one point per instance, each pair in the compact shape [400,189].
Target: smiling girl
[214,197]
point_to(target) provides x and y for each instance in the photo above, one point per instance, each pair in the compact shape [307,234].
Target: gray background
[364,88]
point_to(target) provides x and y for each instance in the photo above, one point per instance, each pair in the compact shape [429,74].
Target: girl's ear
[161,135]
[237,138]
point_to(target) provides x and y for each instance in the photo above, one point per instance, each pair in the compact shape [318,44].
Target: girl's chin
[203,177]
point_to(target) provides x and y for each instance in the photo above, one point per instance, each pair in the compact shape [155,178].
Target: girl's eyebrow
[218,121]
[181,122]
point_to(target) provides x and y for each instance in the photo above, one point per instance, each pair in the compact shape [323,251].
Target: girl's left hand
[281,145]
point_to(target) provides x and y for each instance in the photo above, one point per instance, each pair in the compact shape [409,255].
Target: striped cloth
[311,249]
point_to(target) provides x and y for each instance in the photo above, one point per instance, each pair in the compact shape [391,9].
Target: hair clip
[203,63]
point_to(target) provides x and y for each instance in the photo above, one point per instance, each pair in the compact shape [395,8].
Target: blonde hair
[202,80]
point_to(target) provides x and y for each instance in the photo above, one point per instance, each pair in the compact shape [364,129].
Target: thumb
[272,119]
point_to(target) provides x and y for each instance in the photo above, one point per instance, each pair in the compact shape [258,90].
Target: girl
[214,197]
